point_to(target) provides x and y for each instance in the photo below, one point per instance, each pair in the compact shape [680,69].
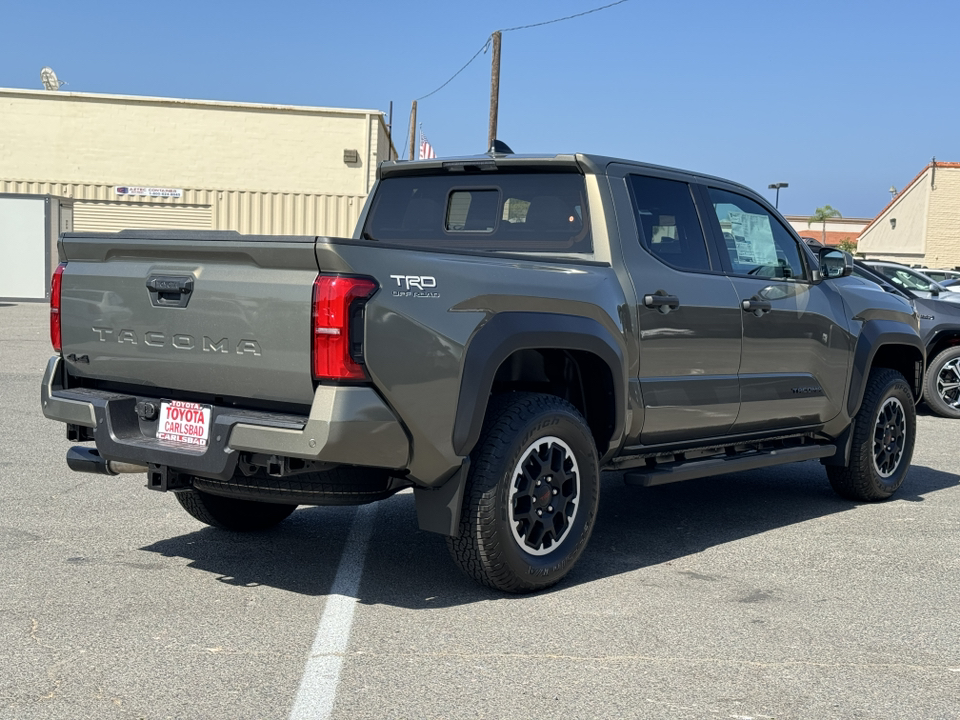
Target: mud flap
[843,441]
[438,509]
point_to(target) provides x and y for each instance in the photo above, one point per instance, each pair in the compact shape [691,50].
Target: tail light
[337,326]
[55,307]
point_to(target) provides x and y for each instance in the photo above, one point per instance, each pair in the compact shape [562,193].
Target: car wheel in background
[941,385]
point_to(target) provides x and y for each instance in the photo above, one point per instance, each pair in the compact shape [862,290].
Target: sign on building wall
[148,191]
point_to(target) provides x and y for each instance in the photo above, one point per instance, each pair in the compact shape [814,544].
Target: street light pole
[777,186]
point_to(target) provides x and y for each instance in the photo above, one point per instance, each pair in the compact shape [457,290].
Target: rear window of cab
[489,211]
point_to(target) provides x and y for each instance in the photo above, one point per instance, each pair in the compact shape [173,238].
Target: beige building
[143,162]
[922,223]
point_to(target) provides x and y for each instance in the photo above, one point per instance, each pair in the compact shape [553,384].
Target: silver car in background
[917,282]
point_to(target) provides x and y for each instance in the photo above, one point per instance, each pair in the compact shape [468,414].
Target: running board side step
[664,473]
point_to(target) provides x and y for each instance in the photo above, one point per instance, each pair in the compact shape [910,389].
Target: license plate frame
[184,423]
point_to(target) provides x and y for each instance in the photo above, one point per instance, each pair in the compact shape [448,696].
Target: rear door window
[668,222]
[490,211]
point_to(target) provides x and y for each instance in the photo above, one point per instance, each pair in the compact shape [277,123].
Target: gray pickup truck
[498,331]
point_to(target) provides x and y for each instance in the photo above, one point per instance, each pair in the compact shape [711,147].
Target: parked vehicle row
[944,277]
[939,324]
[916,281]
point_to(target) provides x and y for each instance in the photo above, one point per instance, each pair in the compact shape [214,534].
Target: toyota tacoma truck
[498,331]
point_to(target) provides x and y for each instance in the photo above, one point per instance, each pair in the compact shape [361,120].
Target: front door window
[756,243]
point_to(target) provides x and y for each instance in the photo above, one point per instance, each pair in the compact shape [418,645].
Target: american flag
[426,149]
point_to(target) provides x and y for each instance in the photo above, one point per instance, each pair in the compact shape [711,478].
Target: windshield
[865,273]
[904,278]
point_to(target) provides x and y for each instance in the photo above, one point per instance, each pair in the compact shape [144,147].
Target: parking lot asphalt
[753,595]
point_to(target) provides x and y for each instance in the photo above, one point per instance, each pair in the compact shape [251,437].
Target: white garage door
[111,217]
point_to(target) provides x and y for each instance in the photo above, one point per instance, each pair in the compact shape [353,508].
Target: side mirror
[835,263]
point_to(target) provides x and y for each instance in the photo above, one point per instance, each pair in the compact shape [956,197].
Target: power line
[475,56]
[568,17]
[486,44]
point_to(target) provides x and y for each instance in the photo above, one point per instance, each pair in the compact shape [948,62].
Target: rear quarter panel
[416,337]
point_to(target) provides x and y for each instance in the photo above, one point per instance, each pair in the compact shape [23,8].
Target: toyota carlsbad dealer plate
[184,422]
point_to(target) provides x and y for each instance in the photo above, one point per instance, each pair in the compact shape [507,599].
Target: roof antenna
[500,148]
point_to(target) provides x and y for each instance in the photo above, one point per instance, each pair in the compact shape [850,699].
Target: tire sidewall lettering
[540,429]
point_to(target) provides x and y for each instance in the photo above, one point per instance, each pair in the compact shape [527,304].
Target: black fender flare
[507,332]
[947,333]
[875,334]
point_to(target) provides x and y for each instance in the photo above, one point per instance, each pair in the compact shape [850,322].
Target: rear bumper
[346,425]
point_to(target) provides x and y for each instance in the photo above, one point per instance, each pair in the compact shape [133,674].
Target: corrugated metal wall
[111,217]
[287,213]
[96,209]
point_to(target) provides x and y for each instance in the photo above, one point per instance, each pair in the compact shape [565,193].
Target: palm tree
[822,215]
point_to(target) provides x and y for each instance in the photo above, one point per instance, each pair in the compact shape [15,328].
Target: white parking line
[318,688]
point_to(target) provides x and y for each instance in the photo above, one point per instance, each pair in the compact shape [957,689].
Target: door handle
[661,301]
[757,306]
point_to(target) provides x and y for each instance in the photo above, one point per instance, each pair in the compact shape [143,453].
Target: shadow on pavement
[299,555]
[636,528]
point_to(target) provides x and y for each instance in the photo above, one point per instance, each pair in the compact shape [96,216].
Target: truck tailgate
[211,313]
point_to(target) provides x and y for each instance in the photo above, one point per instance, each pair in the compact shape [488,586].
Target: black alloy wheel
[544,496]
[889,437]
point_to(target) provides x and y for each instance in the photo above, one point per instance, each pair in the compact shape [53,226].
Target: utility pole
[390,129]
[413,128]
[494,90]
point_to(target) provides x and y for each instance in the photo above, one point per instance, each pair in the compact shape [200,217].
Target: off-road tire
[883,438]
[943,374]
[232,513]
[537,550]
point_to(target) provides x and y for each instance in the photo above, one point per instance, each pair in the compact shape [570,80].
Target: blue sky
[839,99]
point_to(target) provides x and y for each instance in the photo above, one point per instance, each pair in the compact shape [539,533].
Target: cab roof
[584,163]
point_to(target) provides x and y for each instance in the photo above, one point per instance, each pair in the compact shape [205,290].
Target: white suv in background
[941,275]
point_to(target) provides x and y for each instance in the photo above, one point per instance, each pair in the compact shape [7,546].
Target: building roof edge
[150,100]
[906,188]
